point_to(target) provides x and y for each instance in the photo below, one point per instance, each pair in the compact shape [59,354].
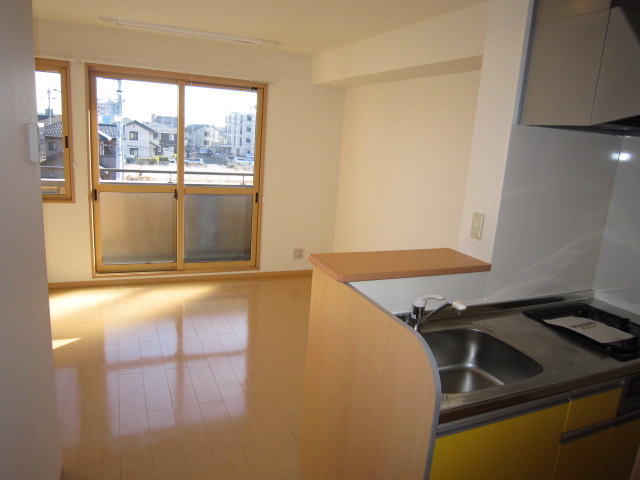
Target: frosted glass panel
[138,228]
[217,228]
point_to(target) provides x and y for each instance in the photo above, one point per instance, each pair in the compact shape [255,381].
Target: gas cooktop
[606,332]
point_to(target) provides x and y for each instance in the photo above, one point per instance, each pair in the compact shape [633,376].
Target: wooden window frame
[61,67]
[255,190]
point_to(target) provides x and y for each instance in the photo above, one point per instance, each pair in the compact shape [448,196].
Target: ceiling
[300,26]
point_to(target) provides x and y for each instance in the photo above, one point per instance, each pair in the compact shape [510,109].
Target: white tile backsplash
[617,278]
[553,210]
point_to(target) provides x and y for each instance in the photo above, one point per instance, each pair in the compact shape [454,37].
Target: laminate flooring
[190,380]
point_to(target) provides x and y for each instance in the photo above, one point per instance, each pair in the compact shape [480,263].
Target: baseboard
[135,280]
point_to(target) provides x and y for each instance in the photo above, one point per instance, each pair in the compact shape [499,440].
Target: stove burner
[603,316]
[621,350]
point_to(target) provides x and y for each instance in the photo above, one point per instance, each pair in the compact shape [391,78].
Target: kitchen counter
[567,364]
[365,365]
[361,266]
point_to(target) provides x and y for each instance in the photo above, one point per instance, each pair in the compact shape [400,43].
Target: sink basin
[470,360]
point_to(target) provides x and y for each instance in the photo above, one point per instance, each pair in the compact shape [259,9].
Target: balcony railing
[109,175]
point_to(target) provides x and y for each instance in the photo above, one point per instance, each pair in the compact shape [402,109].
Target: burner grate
[621,350]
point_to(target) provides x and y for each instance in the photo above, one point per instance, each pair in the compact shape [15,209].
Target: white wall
[408,122]
[404,162]
[304,125]
[554,206]
[371,217]
[29,429]
[504,48]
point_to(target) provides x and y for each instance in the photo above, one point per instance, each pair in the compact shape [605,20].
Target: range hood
[583,66]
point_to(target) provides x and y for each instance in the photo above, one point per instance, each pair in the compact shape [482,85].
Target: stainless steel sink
[470,360]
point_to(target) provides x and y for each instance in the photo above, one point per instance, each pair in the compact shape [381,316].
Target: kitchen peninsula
[372,392]
[374,402]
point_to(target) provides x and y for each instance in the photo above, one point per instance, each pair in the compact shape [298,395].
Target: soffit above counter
[448,44]
[383,265]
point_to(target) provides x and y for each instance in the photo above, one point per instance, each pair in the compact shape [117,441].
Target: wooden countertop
[359,266]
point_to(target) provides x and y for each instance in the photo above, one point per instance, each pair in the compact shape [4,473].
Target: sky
[204,105]
[48,92]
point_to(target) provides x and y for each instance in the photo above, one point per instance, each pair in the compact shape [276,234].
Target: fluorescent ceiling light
[122,22]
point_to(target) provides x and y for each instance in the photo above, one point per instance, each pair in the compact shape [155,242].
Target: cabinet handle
[585,431]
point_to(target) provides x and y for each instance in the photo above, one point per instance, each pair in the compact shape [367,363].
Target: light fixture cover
[123,22]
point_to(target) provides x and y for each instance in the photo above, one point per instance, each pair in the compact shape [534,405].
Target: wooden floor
[182,380]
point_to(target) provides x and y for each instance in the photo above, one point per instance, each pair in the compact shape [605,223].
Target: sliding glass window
[52,93]
[175,171]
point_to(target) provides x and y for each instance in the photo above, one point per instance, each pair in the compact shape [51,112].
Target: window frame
[61,67]
[183,80]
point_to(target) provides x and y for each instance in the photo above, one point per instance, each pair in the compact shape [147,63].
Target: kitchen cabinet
[592,409]
[370,397]
[586,435]
[522,447]
[556,94]
[582,458]
[582,64]
[621,450]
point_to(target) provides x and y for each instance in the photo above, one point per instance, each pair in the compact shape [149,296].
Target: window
[52,87]
[174,206]
[133,135]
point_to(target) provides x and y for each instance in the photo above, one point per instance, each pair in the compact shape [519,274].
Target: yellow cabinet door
[621,454]
[522,448]
[592,409]
[582,458]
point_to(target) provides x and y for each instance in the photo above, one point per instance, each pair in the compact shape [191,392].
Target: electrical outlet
[298,253]
[476,225]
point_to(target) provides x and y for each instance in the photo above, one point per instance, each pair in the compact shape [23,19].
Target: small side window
[52,92]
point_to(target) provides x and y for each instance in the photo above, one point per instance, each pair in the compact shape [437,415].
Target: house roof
[53,131]
[136,122]
[107,131]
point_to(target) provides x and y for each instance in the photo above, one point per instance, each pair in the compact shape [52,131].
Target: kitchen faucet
[417,317]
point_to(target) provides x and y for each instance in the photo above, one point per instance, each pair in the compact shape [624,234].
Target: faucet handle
[419,304]
[458,305]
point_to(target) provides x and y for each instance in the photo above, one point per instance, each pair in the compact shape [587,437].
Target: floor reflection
[191,380]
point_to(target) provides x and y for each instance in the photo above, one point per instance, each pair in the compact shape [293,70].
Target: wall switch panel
[476,225]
